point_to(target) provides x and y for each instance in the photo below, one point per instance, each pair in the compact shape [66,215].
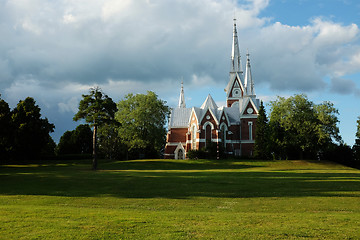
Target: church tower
[235,89]
[232,126]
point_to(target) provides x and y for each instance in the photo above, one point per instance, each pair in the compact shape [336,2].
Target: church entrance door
[180,154]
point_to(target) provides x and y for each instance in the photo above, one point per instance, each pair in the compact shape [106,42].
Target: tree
[83,139]
[327,129]
[66,144]
[31,133]
[110,145]
[142,121]
[304,127]
[356,147]
[5,129]
[78,141]
[262,138]
[97,109]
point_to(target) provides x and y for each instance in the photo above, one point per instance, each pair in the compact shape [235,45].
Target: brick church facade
[233,126]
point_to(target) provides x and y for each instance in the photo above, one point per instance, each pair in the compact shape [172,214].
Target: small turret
[249,84]
[182,98]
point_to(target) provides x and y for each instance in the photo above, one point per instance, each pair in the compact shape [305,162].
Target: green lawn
[175,199]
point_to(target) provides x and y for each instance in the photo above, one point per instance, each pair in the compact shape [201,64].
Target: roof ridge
[209,103]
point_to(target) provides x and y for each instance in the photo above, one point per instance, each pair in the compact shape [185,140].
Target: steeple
[182,98]
[235,53]
[249,84]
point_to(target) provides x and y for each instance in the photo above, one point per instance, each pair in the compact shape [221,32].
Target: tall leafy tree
[356,147]
[110,145]
[305,127]
[142,119]
[327,129]
[78,141]
[66,144]
[262,137]
[83,139]
[5,129]
[31,135]
[97,109]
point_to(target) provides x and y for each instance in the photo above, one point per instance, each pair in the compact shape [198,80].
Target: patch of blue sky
[302,12]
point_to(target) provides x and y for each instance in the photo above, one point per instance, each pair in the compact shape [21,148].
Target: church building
[233,126]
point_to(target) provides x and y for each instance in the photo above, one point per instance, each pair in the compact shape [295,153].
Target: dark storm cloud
[344,86]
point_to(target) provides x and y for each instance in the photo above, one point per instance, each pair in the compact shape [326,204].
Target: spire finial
[235,53]
[182,97]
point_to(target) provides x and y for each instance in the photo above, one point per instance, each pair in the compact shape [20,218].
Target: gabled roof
[209,103]
[197,113]
[179,117]
[233,114]
[214,112]
[221,112]
[233,77]
[245,102]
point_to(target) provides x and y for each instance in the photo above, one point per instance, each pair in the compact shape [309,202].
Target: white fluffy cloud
[55,50]
[94,41]
[299,57]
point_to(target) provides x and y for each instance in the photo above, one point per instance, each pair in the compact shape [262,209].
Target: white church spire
[235,53]
[182,98]
[249,84]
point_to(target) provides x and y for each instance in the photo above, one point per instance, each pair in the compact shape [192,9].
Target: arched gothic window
[208,134]
[223,135]
[250,130]
[193,137]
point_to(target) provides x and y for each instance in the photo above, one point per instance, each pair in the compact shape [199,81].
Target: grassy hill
[180,199]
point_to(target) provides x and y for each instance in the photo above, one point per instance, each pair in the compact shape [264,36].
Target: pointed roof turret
[182,98]
[209,103]
[249,84]
[235,53]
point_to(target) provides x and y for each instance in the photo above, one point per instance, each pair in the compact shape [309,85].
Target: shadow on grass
[170,179]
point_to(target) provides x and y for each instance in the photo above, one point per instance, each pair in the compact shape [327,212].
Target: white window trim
[250,130]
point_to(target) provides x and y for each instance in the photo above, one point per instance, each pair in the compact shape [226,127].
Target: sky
[55,51]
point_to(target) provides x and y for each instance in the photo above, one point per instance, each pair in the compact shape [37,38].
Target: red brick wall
[169,150]
[245,128]
[247,149]
[236,132]
[177,135]
[230,102]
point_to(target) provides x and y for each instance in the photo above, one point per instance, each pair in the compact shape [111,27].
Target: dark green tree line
[25,135]
[5,130]
[78,141]
[356,147]
[298,128]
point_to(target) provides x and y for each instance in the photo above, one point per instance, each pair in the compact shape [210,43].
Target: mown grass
[174,199]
